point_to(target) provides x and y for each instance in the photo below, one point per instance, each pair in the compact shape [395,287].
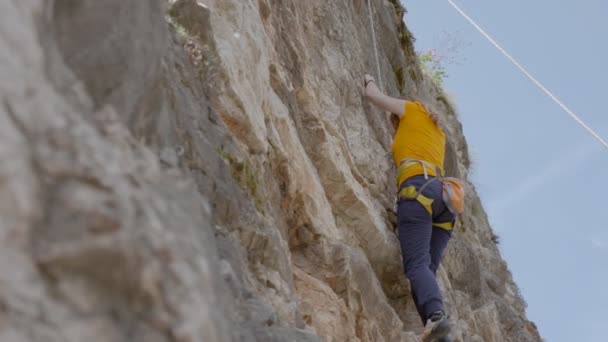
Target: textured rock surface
[209,171]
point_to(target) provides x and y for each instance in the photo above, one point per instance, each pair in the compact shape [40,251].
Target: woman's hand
[387,103]
[435,118]
[368,78]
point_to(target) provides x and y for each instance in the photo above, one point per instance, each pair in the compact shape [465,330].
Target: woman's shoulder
[420,105]
[415,106]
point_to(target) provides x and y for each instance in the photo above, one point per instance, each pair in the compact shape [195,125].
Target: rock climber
[424,220]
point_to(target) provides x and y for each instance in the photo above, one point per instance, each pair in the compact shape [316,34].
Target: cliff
[210,171]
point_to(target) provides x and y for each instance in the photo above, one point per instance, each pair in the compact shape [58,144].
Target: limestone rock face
[208,170]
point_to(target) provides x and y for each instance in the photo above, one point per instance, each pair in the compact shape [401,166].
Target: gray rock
[202,170]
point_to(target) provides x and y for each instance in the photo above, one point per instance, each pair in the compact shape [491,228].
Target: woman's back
[418,137]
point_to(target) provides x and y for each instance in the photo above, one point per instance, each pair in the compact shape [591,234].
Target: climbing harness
[371,21]
[532,78]
[406,163]
[452,190]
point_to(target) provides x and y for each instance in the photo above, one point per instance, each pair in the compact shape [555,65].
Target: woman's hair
[432,110]
[438,119]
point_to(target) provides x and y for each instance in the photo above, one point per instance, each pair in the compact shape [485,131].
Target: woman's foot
[437,327]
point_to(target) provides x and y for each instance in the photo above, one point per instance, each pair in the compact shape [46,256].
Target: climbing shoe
[436,328]
[445,338]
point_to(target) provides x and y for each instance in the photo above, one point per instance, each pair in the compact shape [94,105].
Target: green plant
[243,173]
[495,238]
[434,61]
[432,66]
[179,29]
[399,79]
[520,296]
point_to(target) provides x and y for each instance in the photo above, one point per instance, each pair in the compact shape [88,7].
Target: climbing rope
[375,45]
[371,21]
[532,78]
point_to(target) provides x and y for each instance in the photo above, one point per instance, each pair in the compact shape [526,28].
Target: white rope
[371,20]
[532,78]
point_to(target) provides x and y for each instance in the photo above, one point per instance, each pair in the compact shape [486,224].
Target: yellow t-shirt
[419,138]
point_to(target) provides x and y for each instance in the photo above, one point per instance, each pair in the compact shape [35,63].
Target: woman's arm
[387,103]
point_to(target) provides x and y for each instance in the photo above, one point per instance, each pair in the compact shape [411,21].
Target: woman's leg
[440,237]
[415,233]
[439,241]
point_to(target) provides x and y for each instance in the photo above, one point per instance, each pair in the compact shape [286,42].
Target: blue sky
[542,178]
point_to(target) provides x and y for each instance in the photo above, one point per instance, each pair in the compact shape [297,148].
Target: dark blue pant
[422,245]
